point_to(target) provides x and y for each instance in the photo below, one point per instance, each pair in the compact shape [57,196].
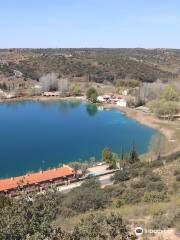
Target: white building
[122,103]
[37,86]
[101,99]
[51,94]
[125,92]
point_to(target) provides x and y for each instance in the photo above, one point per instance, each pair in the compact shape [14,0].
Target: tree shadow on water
[91,109]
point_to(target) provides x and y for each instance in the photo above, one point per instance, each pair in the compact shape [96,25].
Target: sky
[89,23]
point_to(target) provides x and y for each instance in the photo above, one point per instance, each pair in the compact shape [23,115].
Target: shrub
[169,94]
[134,173]
[89,196]
[161,222]
[139,184]
[155,196]
[4,201]
[152,177]
[131,196]
[176,172]
[155,186]
[163,107]
[92,94]
[178,178]
[115,190]
[137,165]
[119,176]
[101,226]
[155,163]
[144,171]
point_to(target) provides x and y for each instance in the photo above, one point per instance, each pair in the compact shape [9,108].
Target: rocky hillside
[98,65]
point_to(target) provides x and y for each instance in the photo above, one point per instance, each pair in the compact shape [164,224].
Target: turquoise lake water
[40,135]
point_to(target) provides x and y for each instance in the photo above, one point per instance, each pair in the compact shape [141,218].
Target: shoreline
[42,98]
[146,119]
[169,129]
[165,127]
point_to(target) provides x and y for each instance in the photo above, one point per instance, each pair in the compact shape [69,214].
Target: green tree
[122,158]
[75,90]
[164,108]
[110,158]
[91,109]
[92,95]
[133,156]
[106,155]
[103,227]
[169,94]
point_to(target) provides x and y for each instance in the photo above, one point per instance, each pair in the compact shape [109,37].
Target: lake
[40,135]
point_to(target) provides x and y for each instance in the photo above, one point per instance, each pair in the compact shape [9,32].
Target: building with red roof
[32,181]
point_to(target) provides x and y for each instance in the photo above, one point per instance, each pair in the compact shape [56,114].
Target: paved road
[104,180]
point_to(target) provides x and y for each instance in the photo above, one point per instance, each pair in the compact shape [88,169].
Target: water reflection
[74,104]
[91,109]
[64,107]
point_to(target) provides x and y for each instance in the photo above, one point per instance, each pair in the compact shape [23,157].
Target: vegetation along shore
[123,192]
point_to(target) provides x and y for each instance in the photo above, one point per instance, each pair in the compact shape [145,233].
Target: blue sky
[90,23]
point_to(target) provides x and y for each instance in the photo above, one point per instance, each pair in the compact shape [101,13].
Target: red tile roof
[34,178]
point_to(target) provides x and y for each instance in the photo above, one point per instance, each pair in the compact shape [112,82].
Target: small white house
[101,99]
[51,94]
[122,103]
[37,86]
[125,92]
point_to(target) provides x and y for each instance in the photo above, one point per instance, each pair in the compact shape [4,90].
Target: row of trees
[122,160]
[4,86]
[168,104]
[54,82]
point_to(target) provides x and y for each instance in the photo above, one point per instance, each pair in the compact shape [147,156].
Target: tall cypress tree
[133,156]
[122,159]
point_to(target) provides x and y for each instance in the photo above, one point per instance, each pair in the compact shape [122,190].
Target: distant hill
[99,65]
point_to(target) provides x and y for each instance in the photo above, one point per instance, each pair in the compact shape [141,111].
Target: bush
[135,169]
[152,177]
[176,172]
[161,222]
[4,201]
[169,94]
[163,108]
[139,184]
[153,197]
[131,196]
[155,163]
[119,176]
[155,186]
[115,190]
[144,171]
[101,226]
[178,178]
[134,173]
[92,95]
[89,196]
